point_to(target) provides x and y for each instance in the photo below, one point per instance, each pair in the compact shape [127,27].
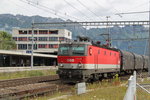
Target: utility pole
[32,45]
[149,42]
[107,27]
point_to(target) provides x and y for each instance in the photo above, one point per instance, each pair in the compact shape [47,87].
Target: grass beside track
[22,74]
[105,90]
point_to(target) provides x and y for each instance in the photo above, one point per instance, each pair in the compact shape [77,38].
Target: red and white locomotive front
[72,60]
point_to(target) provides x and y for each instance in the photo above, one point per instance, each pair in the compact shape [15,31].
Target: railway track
[23,81]
[19,88]
[26,87]
[19,92]
[16,89]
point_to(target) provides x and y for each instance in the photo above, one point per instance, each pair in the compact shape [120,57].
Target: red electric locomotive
[85,61]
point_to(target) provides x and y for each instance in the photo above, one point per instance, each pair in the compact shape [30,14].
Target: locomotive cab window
[78,50]
[64,50]
[72,49]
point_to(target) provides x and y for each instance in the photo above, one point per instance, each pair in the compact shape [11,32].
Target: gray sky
[91,10]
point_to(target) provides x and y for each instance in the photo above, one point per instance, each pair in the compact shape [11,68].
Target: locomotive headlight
[80,65]
[61,65]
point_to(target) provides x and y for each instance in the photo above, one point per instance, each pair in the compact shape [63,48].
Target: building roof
[23,53]
[17,28]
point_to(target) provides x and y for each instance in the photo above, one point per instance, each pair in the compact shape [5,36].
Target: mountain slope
[8,21]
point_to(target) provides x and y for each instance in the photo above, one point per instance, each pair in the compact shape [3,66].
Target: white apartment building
[45,40]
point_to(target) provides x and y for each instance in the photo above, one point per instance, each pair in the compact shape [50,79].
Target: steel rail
[31,80]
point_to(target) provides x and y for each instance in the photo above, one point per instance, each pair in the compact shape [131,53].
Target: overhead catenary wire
[96,3]
[46,10]
[25,8]
[133,12]
[49,10]
[138,6]
[89,9]
[77,9]
[99,5]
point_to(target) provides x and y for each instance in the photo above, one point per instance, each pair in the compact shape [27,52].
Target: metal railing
[137,91]
[131,91]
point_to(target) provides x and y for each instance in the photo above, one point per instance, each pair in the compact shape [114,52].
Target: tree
[6,41]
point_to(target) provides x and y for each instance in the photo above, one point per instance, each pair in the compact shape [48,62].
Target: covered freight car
[131,61]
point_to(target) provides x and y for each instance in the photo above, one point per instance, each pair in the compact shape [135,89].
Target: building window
[43,31]
[43,46]
[35,31]
[30,46]
[22,32]
[53,45]
[53,32]
[35,38]
[68,33]
[53,38]
[30,38]
[30,32]
[35,47]
[22,38]
[43,39]
[61,38]
[22,46]
[15,38]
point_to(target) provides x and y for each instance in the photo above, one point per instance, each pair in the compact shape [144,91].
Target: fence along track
[23,81]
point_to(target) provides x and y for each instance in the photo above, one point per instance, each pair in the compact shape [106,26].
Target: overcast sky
[77,10]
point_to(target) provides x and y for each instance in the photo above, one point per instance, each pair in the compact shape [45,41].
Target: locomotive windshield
[71,49]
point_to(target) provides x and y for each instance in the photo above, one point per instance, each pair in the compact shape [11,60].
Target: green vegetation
[140,92]
[6,41]
[106,93]
[144,81]
[22,74]
[48,96]
[142,95]
[105,90]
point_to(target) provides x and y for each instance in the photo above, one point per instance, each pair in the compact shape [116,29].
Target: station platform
[16,69]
